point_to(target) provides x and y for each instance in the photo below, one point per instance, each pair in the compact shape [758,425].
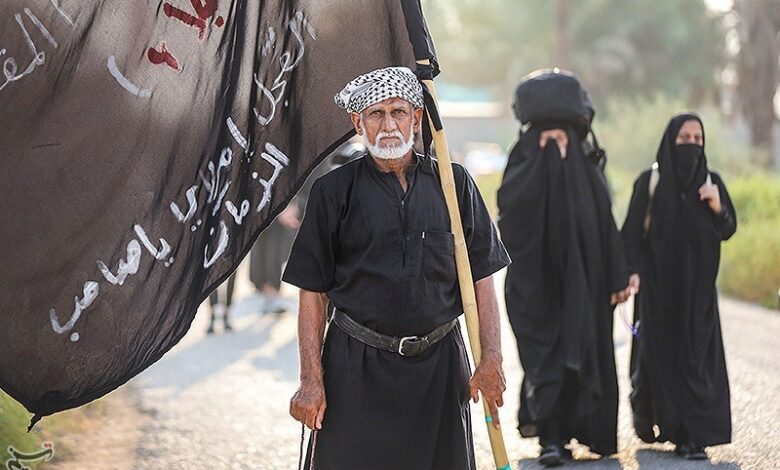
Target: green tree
[623,47]
[636,47]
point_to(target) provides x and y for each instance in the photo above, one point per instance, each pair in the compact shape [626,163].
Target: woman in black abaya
[672,235]
[556,222]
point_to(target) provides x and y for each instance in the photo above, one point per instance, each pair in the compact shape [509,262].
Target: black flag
[143,147]
[419,35]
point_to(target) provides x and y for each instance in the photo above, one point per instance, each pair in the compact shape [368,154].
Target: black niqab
[686,162]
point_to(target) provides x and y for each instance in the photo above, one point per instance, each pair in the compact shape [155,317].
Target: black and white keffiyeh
[379,85]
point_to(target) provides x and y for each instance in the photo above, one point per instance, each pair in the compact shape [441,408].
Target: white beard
[393,152]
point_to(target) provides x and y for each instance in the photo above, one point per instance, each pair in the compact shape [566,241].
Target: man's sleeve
[312,257]
[486,251]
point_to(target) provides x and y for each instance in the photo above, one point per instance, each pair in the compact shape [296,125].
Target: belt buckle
[406,339]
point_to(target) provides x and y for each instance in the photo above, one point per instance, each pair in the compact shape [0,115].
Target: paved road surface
[220,402]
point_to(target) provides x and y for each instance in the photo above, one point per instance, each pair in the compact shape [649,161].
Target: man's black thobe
[386,258]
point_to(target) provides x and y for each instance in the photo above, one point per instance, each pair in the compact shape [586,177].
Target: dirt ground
[108,442]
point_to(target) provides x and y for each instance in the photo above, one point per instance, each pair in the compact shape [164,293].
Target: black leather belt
[408,346]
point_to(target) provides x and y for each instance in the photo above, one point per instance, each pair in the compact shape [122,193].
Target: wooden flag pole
[464,271]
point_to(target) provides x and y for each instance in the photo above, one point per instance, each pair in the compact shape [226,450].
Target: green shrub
[756,198]
[750,263]
[750,267]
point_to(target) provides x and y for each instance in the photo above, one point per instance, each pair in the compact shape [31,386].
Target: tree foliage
[623,47]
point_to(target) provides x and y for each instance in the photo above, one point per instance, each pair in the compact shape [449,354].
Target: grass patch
[13,433]
[750,267]
[14,420]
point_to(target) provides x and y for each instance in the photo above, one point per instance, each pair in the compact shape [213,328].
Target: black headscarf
[687,161]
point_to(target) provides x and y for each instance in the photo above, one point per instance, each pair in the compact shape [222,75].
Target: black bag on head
[553,96]
[557,96]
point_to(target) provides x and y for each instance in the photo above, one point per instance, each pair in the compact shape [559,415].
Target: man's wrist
[311,379]
[492,356]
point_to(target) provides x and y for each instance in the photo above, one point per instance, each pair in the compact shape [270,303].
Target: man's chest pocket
[439,256]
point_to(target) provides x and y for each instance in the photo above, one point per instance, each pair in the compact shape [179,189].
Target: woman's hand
[711,195]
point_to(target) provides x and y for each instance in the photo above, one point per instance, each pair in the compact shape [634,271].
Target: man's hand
[308,404]
[489,379]
[559,136]
[711,194]
[489,376]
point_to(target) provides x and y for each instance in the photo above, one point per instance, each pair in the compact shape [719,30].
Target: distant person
[273,246]
[568,270]
[680,213]
[269,254]
[220,308]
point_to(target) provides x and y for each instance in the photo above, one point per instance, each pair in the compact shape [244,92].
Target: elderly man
[390,387]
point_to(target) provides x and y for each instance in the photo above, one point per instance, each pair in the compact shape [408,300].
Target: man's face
[690,133]
[388,124]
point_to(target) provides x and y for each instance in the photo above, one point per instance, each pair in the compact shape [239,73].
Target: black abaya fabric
[556,222]
[678,365]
